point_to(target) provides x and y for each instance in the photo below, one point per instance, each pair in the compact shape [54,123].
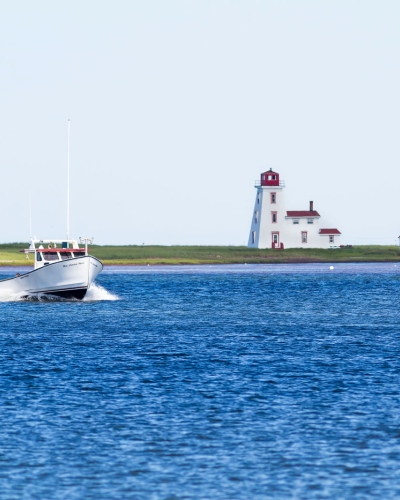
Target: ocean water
[209,382]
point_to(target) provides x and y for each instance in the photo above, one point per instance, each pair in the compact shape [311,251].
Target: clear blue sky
[177,106]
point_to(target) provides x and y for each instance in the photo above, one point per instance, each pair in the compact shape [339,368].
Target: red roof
[302,213]
[270,171]
[329,231]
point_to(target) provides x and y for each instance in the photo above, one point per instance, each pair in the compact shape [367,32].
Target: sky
[176,107]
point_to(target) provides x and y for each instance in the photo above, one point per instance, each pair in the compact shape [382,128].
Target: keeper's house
[273,226]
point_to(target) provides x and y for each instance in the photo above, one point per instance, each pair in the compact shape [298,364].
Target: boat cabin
[49,252]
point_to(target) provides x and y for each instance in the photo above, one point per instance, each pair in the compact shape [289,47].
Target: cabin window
[331,239]
[50,256]
[273,197]
[79,254]
[253,237]
[39,257]
[296,221]
[310,221]
[66,255]
[304,237]
[274,216]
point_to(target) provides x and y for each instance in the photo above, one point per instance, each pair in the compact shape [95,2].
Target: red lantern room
[270,178]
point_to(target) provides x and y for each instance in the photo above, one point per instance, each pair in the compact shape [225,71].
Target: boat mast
[30,216]
[69,128]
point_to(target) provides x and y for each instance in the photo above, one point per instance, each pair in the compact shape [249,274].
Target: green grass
[10,255]
[143,255]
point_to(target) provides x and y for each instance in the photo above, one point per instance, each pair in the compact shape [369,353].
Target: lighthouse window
[256,217]
[258,198]
[296,221]
[331,239]
[304,237]
[274,217]
[253,237]
[273,197]
[310,221]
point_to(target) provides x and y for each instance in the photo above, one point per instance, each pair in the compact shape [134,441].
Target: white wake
[97,292]
[94,294]
[8,296]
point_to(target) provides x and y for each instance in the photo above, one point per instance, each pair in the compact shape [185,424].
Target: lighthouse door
[275,240]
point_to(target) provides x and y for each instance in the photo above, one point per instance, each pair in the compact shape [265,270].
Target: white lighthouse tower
[273,226]
[269,208]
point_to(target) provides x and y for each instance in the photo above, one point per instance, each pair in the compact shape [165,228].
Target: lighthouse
[272,226]
[268,210]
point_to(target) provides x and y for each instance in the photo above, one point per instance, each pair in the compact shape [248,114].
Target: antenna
[86,240]
[69,131]
[30,216]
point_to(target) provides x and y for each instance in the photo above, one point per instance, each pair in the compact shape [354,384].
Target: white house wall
[325,240]
[293,233]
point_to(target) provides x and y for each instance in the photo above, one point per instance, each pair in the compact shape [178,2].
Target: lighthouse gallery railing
[258,183]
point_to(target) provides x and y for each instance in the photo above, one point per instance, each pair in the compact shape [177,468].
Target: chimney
[311,206]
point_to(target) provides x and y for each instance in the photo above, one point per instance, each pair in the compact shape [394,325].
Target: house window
[331,239]
[310,221]
[274,216]
[296,221]
[253,237]
[273,197]
[304,236]
[275,238]
[256,217]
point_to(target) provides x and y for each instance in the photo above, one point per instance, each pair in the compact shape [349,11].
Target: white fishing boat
[61,269]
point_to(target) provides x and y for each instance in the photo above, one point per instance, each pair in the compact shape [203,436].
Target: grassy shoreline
[136,255]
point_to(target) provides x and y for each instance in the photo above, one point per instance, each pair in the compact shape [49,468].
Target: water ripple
[224,382]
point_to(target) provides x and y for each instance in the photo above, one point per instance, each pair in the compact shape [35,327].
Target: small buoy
[331,268]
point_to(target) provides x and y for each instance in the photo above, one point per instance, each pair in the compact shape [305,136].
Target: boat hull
[69,279]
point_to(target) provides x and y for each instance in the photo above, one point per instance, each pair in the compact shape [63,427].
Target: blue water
[221,382]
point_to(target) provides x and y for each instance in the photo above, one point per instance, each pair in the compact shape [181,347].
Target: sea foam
[97,292]
[94,294]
